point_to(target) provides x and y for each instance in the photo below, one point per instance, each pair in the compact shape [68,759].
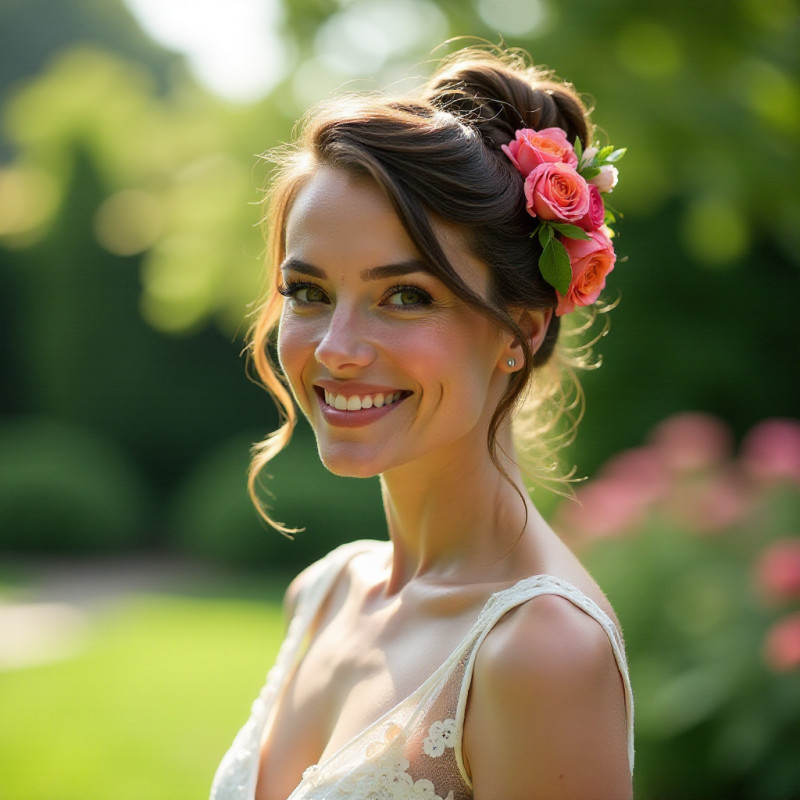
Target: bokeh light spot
[769,93]
[649,50]
[771,14]
[312,80]
[514,18]
[28,198]
[233,47]
[178,283]
[128,222]
[715,231]
[365,35]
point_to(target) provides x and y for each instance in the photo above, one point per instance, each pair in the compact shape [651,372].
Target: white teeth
[357,403]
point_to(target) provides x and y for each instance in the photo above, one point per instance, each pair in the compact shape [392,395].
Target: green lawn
[147,709]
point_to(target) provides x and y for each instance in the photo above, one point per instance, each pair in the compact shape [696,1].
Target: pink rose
[711,503]
[692,441]
[771,451]
[782,644]
[557,193]
[607,179]
[606,508]
[594,217]
[591,261]
[547,146]
[778,570]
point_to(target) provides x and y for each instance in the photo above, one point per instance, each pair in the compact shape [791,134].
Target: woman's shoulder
[546,677]
[546,639]
[326,568]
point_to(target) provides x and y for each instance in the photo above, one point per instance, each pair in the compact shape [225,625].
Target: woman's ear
[534,325]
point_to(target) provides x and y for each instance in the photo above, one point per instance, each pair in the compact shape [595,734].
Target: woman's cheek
[293,345]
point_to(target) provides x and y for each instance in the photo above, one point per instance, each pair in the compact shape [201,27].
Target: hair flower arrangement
[564,185]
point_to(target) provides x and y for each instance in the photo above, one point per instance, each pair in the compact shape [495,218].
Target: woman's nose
[346,341]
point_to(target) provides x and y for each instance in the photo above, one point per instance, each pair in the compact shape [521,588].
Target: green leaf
[603,154]
[590,172]
[571,231]
[555,267]
[617,155]
[545,234]
[578,148]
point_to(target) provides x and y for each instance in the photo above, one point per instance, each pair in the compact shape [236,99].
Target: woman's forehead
[330,197]
[341,218]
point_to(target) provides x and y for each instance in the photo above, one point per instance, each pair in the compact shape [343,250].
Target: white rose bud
[588,154]
[607,179]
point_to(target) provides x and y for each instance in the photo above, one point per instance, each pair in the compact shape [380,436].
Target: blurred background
[139,594]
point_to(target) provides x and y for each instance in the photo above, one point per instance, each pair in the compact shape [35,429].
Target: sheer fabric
[413,752]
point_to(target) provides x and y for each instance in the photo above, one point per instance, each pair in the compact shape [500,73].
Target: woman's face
[389,366]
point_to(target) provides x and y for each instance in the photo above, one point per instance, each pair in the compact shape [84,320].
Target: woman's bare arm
[546,718]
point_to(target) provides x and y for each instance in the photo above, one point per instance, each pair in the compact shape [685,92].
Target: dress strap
[504,601]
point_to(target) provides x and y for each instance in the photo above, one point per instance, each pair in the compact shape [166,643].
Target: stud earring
[512,362]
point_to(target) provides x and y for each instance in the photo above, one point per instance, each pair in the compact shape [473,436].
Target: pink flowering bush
[698,547]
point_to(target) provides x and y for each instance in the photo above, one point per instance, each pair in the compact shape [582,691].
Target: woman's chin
[348,467]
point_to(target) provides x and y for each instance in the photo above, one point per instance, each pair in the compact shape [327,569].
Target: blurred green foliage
[211,516]
[52,471]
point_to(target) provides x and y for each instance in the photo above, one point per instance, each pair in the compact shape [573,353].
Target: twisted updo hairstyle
[437,156]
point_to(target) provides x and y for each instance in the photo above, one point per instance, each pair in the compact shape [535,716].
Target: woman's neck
[460,520]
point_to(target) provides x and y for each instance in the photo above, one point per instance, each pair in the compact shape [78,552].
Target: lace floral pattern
[441,735]
[384,774]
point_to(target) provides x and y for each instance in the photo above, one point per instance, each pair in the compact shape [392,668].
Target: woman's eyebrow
[298,265]
[369,274]
[394,270]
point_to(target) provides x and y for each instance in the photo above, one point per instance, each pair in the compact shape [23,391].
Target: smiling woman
[422,256]
[370,324]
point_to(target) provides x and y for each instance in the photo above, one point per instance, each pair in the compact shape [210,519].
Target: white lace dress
[413,752]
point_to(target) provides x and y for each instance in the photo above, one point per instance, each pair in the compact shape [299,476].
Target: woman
[471,655]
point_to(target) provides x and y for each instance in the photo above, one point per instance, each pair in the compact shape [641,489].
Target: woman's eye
[408,296]
[303,293]
[310,294]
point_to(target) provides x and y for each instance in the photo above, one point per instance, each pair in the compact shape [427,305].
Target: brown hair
[436,156]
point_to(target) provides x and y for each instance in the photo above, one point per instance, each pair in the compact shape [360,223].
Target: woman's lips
[357,409]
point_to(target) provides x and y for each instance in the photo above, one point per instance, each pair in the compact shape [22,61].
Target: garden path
[50,615]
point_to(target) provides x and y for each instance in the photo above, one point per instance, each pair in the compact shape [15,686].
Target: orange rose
[591,260]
